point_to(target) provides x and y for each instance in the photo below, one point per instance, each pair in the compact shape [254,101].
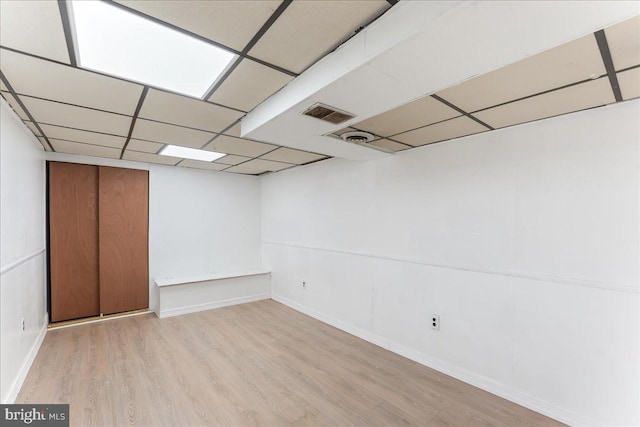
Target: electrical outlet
[22,324]
[304,285]
[435,322]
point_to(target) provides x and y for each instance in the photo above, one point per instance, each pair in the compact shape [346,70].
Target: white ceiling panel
[84,149]
[169,134]
[307,30]
[3,88]
[241,147]
[574,98]
[454,128]
[181,110]
[624,43]
[144,146]
[231,159]
[569,63]
[246,170]
[232,23]
[389,145]
[35,27]
[197,164]
[57,82]
[629,82]
[290,155]
[11,100]
[150,158]
[248,85]
[76,117]
[267,165]
[421,112]
[234,130]
[75,135]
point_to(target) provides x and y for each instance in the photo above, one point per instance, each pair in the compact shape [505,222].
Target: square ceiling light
[190,153]
[113,41]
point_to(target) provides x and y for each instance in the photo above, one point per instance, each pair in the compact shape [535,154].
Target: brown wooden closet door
[124,230]
[73,240]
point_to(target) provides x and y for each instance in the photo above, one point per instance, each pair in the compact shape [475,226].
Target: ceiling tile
[44,79]
[3,88]
[267,165]
[246,170]
[241,147]
[34,27]
[289,155]
[150,158]
[389,145]
[629,82]
[84,149]
[624,43]
[202,165]
[76,117]
[574,98]
[75,135]
[569,63]
[307,30]
[249,85]
[181,110]
[231,159]
[454,128]
[11,100]
[232,22]
[169,134]
[421,112]
[32,128]
[234,130]
[144,146]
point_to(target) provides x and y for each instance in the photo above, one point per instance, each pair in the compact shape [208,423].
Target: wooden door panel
[73,238]
[123,238]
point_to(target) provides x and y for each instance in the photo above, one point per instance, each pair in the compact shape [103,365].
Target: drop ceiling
[76,111]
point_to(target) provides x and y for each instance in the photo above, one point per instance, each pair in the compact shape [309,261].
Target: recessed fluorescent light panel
[190,153]
[114,41]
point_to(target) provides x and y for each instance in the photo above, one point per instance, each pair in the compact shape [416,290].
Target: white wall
[22,251]
[523,240]
[200,221]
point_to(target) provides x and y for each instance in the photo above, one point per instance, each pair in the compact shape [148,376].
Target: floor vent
[328,114]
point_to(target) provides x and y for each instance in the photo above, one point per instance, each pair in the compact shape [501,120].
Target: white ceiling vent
[357,137]
[328,114]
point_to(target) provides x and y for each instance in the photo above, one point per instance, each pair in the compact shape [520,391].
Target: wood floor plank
[257,364]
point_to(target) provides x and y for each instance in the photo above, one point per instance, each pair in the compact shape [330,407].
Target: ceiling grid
[74,110]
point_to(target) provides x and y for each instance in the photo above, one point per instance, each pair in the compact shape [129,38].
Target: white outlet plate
[434,321]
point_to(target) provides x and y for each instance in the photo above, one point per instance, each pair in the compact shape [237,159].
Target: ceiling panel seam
[143,95]
[24,107]
[601,38]
[269,22]
[68,35]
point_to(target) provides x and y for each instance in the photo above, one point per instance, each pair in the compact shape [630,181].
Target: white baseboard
[516,396]
[24,369]
[210,305]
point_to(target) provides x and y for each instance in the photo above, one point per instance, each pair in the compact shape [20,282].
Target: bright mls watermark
[34,415]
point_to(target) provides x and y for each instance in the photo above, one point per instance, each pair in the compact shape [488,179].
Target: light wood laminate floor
[253,364]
